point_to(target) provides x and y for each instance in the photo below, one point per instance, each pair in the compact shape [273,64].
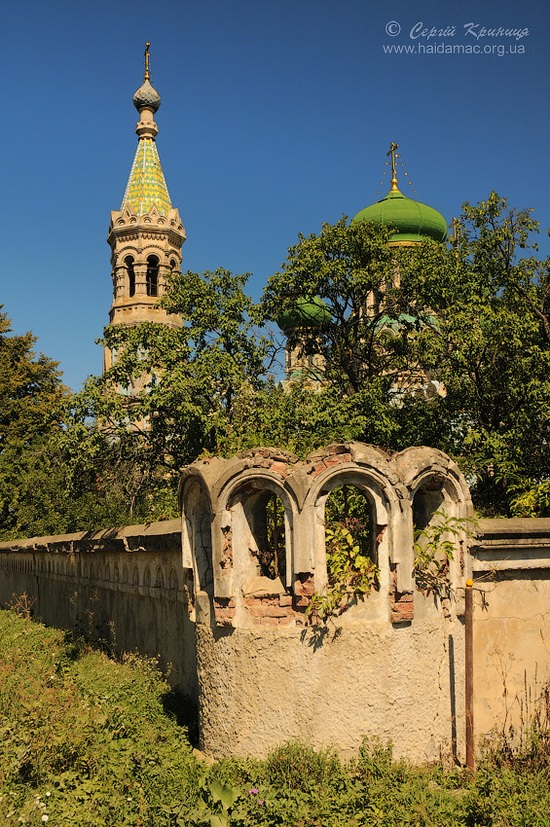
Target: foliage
[434,547]
[351,570]
[87,741]
[31,417]
[530,501]
[491,352]
[350,575]
[447,347]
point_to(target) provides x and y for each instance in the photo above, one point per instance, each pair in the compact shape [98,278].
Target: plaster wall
[511,569]
[261,687]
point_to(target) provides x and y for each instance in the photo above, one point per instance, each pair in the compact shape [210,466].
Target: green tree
[471,320]
[492,352]
[31,416]
[172,393]
[49,482]
[371,344]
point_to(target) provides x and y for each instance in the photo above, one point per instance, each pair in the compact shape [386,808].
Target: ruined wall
[391,665]
[124,588]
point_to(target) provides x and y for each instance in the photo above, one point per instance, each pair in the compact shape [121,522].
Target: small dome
[305,313]
[412,220]
[146,96]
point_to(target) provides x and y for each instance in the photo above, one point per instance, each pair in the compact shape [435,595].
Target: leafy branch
[351,574]
[434,549]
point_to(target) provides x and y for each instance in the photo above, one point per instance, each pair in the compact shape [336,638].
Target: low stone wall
[124,588]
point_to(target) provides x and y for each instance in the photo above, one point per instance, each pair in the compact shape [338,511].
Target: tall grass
[86,741]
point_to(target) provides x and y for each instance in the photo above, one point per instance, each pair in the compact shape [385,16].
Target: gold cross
[392,150]
[147,75]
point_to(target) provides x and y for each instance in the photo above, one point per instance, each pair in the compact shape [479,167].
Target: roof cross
[147,76]
[392,153]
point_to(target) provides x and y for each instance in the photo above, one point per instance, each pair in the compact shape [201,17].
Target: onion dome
[405,320]
[146,97]
[305,313]
[396,323]
[413,221]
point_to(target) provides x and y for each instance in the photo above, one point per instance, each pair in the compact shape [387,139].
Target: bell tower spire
[146,235]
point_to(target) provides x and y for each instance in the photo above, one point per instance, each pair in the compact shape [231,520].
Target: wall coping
[512,544]
[128,537]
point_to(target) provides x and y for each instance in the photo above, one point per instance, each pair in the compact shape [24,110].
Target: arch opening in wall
[129,262]
[428,500]
[260,529]
[438,554]
[350,513]
[266,516]
[152,276]
[354,537]
[197,537]
[350,547]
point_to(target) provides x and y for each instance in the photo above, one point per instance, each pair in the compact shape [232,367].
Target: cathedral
[146,236]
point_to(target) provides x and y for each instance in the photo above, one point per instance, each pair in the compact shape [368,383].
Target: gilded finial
[147,76]
[392,150]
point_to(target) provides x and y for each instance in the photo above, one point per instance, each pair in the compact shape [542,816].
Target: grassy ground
[85,740]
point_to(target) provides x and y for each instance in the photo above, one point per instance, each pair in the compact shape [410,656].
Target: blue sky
[276,116]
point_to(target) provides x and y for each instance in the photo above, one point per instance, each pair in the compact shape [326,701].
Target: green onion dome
[305,313]
[413,221]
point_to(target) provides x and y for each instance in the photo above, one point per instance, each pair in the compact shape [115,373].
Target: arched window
[259,523]
[266,517]
[129,262]
[427,501]
[351,549]
[152,278]
[434,533]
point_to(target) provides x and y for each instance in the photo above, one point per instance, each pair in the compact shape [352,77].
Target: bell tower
[146,235]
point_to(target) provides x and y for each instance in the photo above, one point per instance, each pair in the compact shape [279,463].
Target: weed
[86,741]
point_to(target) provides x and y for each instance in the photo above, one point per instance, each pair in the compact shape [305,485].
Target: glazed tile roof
[146,185]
